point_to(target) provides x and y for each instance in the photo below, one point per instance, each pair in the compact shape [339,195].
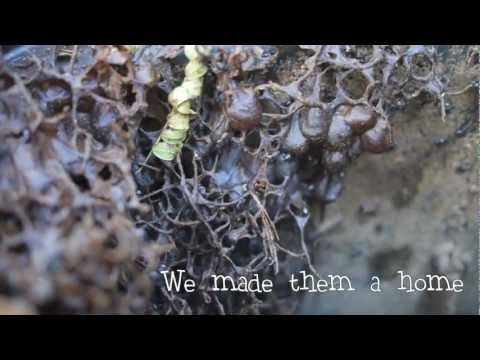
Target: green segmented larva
[174,133]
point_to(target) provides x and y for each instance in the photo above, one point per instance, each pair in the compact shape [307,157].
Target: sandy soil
[412,210]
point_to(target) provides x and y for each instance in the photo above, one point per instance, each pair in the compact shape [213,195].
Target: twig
[454,93]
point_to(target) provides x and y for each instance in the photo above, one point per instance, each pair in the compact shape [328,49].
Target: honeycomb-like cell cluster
[264,146]
[67,244]
[88,225]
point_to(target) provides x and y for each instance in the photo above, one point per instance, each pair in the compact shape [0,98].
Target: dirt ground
[413,210]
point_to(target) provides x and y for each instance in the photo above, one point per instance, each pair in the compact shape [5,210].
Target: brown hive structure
[86,228]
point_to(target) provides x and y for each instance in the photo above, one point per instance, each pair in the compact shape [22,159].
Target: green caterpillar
[174,133]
